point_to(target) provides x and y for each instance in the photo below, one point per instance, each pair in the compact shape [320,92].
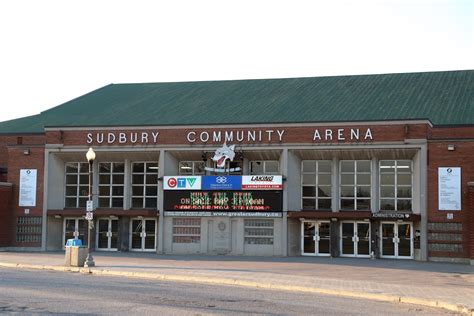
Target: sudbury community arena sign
[229,136]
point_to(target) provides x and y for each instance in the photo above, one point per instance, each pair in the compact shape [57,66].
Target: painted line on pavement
[245,283]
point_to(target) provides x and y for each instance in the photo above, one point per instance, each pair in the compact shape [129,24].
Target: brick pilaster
[471,221]
[6,214]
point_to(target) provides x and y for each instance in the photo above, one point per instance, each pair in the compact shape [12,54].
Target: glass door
[324,238]
[388,240]
[347,239]
[69,229]
[107,234]
[315,238]
[149,242]
[143,234]
[397,240]
[363,239]
[355,239]
[308,233]
[405,240]
[74,228]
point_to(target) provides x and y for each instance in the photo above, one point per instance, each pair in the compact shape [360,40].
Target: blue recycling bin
[74,242]
[76,253]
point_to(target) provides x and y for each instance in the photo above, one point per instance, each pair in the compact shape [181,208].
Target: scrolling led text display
[223,200]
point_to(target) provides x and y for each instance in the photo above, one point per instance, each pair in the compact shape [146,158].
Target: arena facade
[354,166]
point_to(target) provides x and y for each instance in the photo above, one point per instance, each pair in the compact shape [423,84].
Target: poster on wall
[449,188]
[27,187]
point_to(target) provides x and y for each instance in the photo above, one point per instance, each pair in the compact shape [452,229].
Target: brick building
[357,166]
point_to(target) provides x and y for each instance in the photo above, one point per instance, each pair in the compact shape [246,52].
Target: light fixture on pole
[90,207]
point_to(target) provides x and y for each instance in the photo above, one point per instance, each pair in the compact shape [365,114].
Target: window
[77,184]
[355,184]
[191,168]
[395,185]
[29,229]
[316,185]
[235,167]
[270,167]
[111,184]
[258,231]
[186,230]
[144,184]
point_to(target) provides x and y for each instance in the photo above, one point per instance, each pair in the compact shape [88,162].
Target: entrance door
[143,234]
[74,228]
[107,234]
[397,240]
[355,239]
[315,238]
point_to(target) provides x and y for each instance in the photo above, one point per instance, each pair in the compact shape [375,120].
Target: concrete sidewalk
[449,286]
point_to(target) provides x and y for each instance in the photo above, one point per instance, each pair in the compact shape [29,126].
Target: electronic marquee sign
[223,200]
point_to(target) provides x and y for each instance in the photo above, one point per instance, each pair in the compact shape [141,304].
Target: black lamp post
[89,260]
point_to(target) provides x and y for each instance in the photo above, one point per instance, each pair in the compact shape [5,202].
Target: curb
[229,281]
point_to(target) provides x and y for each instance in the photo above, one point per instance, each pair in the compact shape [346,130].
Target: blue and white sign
[221,182]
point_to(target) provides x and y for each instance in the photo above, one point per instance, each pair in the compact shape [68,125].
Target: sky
[55,51]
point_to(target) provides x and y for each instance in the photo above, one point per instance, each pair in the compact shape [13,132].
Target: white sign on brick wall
[449,188]
[27,187]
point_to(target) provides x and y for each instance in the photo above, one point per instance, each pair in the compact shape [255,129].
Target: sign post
[89,206]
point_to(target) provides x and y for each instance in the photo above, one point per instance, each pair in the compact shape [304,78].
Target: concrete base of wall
[451,260]
[21,249]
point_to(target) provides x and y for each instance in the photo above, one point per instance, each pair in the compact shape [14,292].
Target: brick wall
[17,152]
[471,219]
[18,160]
[6,216]
[449,237]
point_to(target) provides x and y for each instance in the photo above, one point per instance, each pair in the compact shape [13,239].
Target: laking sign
[262,182]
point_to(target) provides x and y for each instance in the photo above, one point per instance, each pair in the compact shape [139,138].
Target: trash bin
[76,253]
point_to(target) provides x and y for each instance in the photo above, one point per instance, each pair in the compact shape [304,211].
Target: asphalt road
[25,292]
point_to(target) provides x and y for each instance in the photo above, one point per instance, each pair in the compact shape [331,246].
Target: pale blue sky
[54,51]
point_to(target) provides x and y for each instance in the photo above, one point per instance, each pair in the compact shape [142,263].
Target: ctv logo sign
[182,183]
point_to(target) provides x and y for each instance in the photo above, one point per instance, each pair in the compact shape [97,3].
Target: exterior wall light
[451,147]
[90,155]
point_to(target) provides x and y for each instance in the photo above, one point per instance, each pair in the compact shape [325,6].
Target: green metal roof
[444,98]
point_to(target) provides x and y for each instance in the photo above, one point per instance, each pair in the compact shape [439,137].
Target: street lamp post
[89,260]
